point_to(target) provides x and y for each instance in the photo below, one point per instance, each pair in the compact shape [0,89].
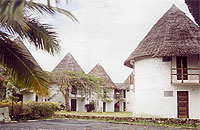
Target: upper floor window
[124,93]
[74,90]
[181,64]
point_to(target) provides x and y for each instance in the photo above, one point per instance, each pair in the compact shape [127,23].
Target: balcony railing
[77,92]
[185,75]
[119,96]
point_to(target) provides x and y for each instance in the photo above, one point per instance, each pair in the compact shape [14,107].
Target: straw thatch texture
[68,63]
[99,72]
[173,35]
[129,81]
[194,7]
[118,85]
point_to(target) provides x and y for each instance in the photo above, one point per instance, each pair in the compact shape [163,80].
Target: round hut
[167,68]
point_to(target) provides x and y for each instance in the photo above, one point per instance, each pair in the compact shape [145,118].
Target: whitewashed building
[166,65]
[104,106]
[77,99]
[126,99]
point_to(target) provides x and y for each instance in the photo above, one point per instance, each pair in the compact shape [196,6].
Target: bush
[90,107]
[3,104]
[31,110]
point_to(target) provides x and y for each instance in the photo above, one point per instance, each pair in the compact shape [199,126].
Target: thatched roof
[129,81]
[99,72]
[68,63]
[194,8]
[173,35]
[118,85]
[27,52]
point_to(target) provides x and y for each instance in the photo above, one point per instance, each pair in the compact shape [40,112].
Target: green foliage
[90,107]
[116,110]
[16,19]
[80,80]
[31,110]
[83,82]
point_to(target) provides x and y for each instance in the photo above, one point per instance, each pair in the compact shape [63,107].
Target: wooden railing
[185,72]
[119,96]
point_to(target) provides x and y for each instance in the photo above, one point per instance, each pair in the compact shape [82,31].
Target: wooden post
[171,70]
[182,70]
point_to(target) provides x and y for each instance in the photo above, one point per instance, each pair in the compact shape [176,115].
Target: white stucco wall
[27,97]
[152,78]
[80,105]
[130,100]
[56,95]
[109,105]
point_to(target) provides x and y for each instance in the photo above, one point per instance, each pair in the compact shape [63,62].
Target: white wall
[80,105]
[58,96]
[152,78]
[130,100]
[27,97]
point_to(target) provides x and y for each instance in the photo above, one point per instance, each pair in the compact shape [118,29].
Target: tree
[81,81]
[17,19]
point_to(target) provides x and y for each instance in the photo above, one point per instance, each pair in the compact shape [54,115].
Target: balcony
[119,96]
[76,93]
[185,76]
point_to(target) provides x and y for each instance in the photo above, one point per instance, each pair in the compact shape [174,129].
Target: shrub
[2,104]
[90,107]
[31,110]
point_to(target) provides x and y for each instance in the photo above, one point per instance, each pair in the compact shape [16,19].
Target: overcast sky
[107,33]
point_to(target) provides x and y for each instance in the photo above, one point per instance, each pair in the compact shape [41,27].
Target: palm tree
[16,19]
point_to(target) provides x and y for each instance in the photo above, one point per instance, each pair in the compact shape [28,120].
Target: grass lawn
[115,114]
[121,114]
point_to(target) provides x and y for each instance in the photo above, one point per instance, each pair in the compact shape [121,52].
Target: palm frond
[12,16]
[21,66]
[31,6]
[43,36]
[66,12]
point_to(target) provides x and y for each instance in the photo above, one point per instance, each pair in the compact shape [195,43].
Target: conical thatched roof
[173,35]
[99,72]
[129,81]
[194,7]
[68,63]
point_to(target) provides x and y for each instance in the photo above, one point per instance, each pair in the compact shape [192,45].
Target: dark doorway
[182,102]
[104,106]
[117,107]
[124,106]
[73,104]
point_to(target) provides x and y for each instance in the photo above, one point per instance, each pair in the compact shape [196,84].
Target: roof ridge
[100,72]
[68,63]
[174,34]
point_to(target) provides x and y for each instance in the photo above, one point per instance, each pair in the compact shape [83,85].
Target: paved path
[68,124]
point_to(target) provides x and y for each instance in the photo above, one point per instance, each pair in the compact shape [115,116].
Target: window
[166,59]
[74,90]
[181,64]
[124,93]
